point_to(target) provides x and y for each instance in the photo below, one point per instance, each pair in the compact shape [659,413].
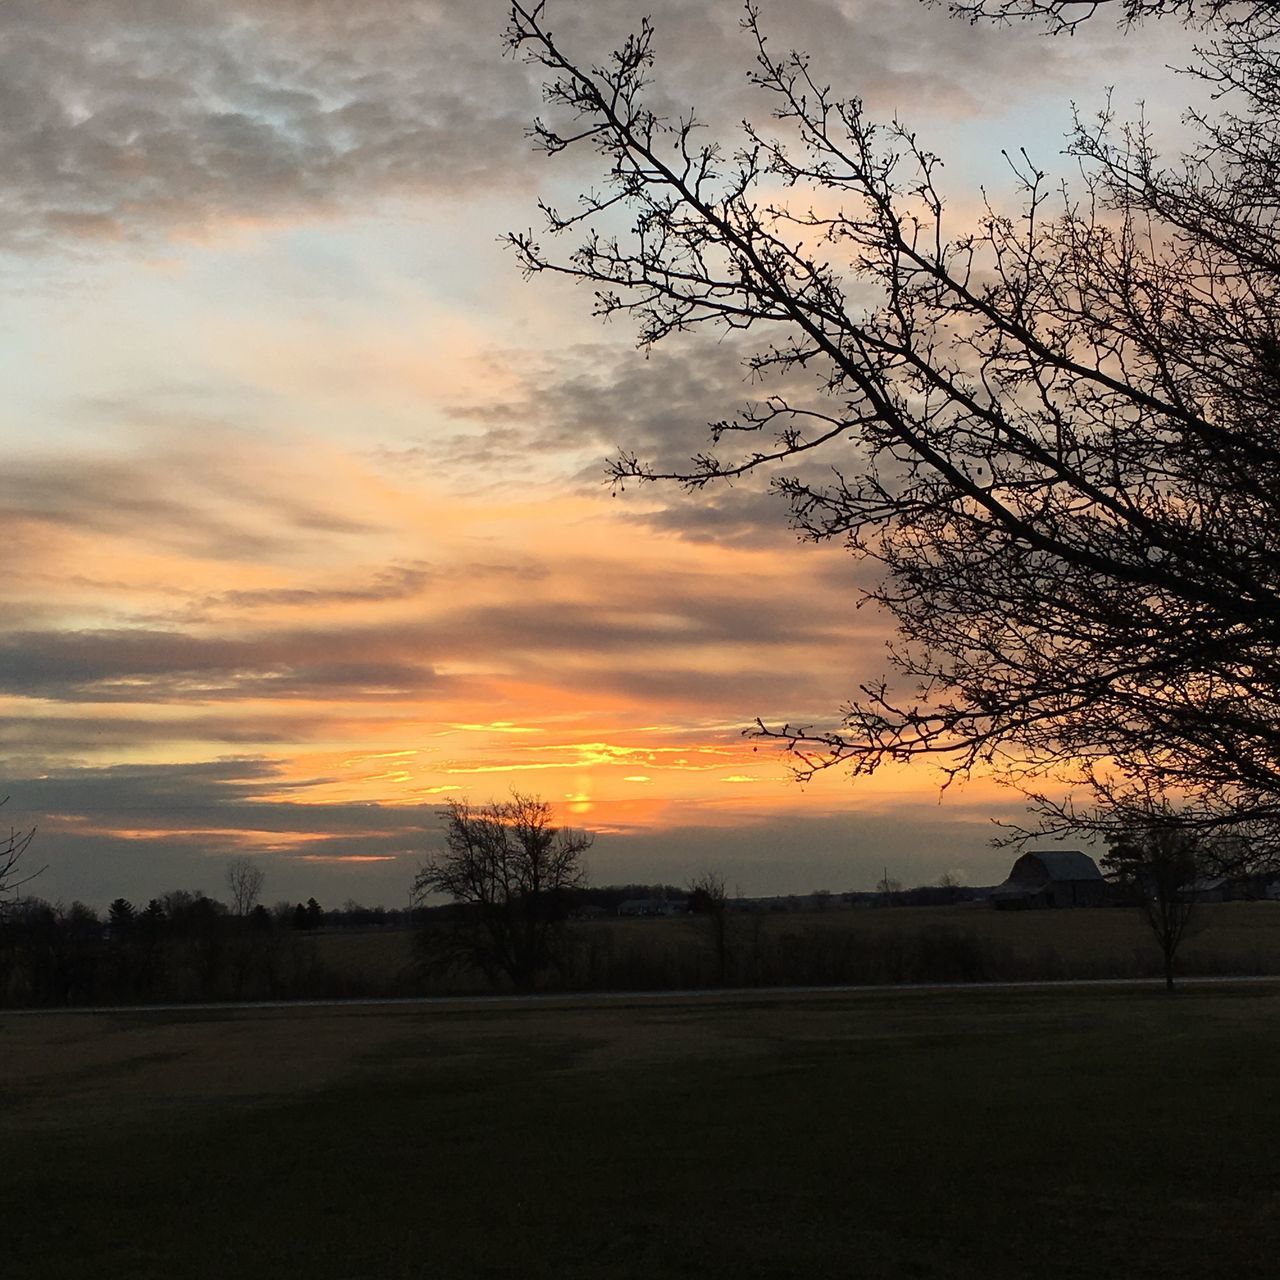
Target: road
[587,999]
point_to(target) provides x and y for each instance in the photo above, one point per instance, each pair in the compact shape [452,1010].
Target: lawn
[977,1133]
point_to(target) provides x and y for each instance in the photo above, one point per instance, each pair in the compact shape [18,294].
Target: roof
[1066,864]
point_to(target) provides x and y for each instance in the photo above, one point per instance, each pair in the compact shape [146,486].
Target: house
[1052,878]
[1210,889]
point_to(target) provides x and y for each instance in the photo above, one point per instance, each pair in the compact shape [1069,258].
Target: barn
[1052,878]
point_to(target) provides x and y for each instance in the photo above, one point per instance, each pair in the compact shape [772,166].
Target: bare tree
[709,901]
[511,870]
[889,888]
[244,880]
[1160,865]
[12,875]
[1057,429]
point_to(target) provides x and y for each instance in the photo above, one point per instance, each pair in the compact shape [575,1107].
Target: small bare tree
[12,847]
[1160,865]
[710,903]
[245,881]
[511,870]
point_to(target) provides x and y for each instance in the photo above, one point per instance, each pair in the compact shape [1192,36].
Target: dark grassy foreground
[988,1134]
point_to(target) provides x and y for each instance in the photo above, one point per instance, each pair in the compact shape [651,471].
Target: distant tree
[709,902]
[512,870]
[889,888]
[192,911]
[260,918]
[951,886]
[315,914]
[178,902]
[245,880]
[1160,865]
[300,919]
[121,917]
[82,918]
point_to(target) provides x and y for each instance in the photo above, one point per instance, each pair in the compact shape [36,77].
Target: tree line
[181,946]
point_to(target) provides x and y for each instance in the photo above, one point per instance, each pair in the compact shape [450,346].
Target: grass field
[1085,1133]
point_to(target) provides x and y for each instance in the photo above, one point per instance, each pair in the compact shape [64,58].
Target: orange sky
[303,491]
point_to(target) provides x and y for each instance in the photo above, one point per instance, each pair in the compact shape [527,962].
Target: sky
[303,498]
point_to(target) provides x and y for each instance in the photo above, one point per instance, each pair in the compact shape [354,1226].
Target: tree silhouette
[511,869]
[1056,429]
[1160,865]
[121,916]
[245,880]
[709,901]
[12,847]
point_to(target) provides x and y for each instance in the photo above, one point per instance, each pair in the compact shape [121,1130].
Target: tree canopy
[1054,428]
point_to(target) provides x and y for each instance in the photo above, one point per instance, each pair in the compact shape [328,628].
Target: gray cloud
[132,664]
[133,788]
[607,396]
[596,401]
[127,118]
[49,737]
[737,517]
[400,582]
[207,500]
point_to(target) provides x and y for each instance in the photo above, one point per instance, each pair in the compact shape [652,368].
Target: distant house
[1210,889]
[1052,878]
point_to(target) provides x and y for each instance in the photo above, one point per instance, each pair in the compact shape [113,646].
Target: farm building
[1052,878]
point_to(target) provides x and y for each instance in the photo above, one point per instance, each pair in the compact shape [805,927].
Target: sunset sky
[305,521]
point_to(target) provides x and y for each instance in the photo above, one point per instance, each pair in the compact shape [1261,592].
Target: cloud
[593,402]
[125,120]
[217,496]
[400,582]
[630,637]
[132,117]
[136,665]
[46,737]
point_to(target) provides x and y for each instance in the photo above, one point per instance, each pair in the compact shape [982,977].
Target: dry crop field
[1056,1133]
[967,942]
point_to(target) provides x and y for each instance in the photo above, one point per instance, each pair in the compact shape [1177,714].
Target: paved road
[587,999]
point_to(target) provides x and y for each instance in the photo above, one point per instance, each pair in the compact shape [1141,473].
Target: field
[1064,1133]
[908,944]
